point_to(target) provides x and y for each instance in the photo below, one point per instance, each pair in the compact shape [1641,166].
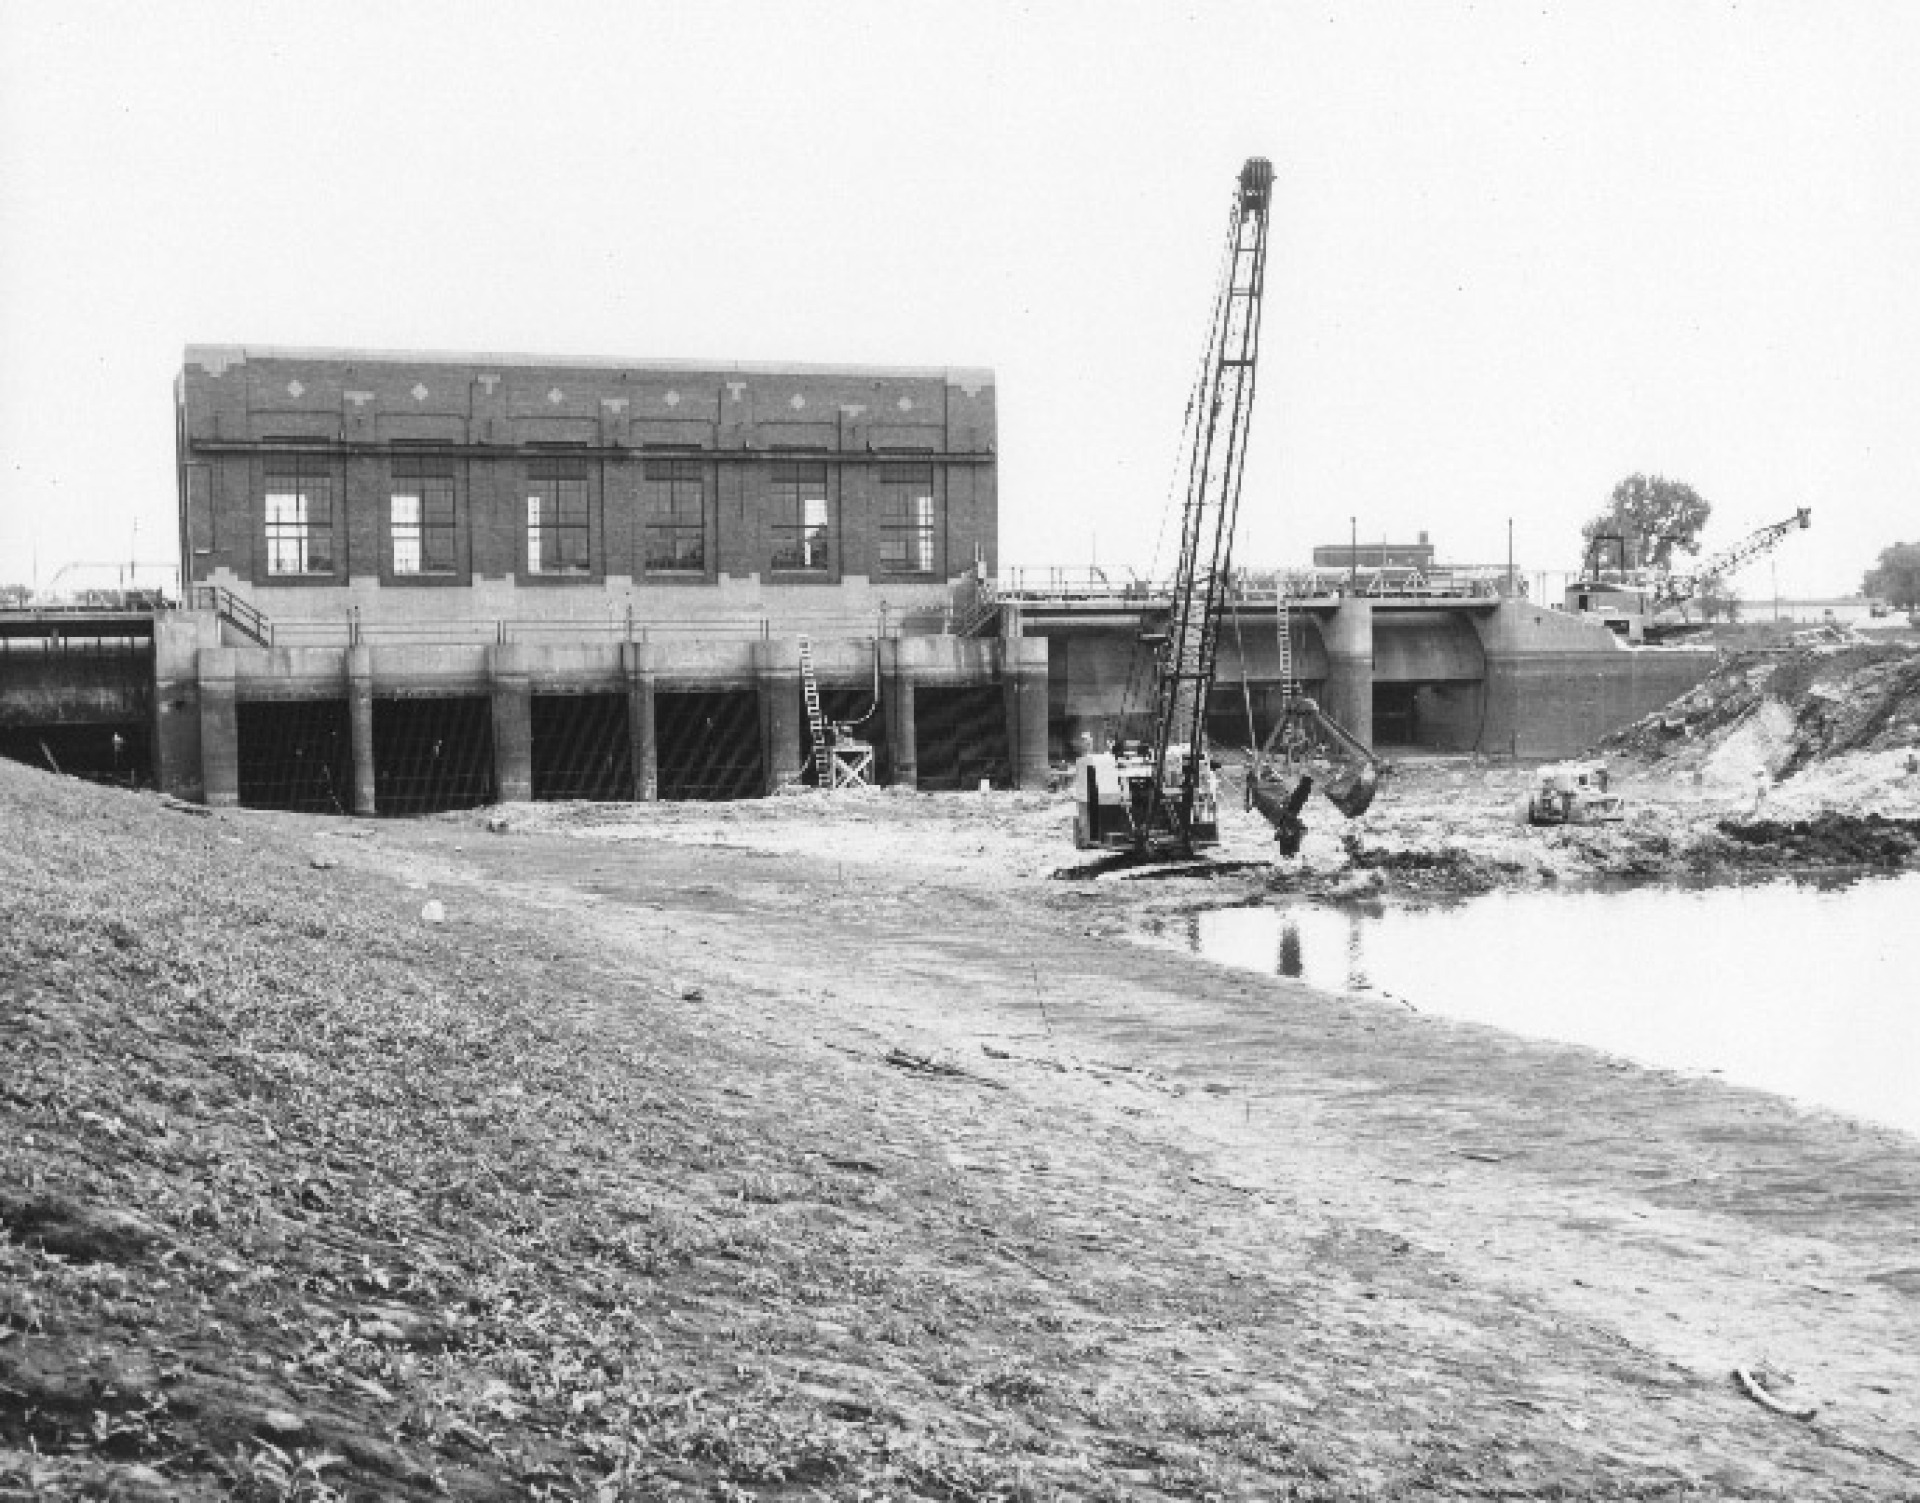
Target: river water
[1809,988]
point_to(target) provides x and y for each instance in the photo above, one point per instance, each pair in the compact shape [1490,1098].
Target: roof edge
[218,357]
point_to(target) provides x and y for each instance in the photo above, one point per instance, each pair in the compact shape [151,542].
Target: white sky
[1516,255]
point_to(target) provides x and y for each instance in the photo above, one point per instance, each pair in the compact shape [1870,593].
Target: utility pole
[1509,558]
[1353,554]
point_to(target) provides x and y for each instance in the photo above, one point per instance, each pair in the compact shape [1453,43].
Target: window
[299,509]
[906,518]
[802,530]
[558,534]
[676,507]
[422,515]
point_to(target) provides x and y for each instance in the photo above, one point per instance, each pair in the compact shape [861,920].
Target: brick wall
[492,417]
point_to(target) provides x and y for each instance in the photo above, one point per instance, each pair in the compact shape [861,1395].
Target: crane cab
[1112,798]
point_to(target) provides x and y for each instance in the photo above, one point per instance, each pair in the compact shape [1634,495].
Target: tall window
[802,529]
[422,515]
[676,503]
[558,532]
[299,507]
[906,518]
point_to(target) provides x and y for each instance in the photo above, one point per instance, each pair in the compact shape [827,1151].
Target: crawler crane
[1678,588]
[1158,797]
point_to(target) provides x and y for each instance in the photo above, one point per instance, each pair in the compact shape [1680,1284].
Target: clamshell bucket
[1352,791]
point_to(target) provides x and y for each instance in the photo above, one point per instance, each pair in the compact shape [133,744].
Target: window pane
[437,503]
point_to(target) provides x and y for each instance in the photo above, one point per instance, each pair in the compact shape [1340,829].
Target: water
[1807,988]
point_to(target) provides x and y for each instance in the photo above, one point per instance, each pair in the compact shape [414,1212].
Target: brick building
[425,581]
[319,485]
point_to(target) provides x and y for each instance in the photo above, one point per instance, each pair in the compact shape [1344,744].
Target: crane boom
[1677,587]
[1214,449]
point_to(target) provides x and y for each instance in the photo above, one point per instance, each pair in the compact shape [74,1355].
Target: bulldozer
[1572,793]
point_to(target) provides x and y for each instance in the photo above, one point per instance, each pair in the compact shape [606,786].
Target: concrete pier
[1348,695]
[637,659]
[777,671]
[219,729]
[177,639]
[507,668]
[1024,677]
[902,745]
[360,728]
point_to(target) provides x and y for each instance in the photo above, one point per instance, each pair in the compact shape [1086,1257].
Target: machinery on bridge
[1678,587]
[1628,599]
[1158,796]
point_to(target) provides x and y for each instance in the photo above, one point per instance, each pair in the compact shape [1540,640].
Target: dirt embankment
[1809,757]
[828,1150]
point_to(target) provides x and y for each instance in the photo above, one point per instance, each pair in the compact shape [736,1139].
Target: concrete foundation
[1499,677]
[200,684]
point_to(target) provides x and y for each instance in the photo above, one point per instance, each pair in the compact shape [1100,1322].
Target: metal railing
[237,613]
[353,630]
[1248,586]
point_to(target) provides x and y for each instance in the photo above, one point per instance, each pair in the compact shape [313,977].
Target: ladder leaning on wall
[816,722]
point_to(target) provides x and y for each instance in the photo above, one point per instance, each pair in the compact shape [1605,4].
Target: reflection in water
[1805,988]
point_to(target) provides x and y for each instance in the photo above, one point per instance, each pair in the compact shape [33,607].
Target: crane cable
[1246,701]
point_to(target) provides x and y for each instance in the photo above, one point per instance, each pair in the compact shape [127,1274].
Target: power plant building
[318,484]
[426,581]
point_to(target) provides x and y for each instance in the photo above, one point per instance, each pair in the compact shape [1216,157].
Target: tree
[1896,577]
[1653,516]
[1716,600]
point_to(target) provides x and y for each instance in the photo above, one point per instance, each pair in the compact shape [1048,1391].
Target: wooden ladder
[816,722]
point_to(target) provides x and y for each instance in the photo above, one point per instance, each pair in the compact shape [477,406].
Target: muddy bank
[775,1151]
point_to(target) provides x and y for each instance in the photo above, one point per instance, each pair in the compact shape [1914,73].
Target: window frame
[435,488]
[545,479]
[914,529]
[800,523]
[307,481]
[666,478]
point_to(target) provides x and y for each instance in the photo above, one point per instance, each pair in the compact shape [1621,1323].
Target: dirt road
[1522,1244]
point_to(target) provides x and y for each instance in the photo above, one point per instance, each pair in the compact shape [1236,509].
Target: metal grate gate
[119,754]
[296,756]
[580,747]
[431,754]
[960,736]
[709,744]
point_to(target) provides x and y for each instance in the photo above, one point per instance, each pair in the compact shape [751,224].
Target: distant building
[314,483]
[1382,555]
